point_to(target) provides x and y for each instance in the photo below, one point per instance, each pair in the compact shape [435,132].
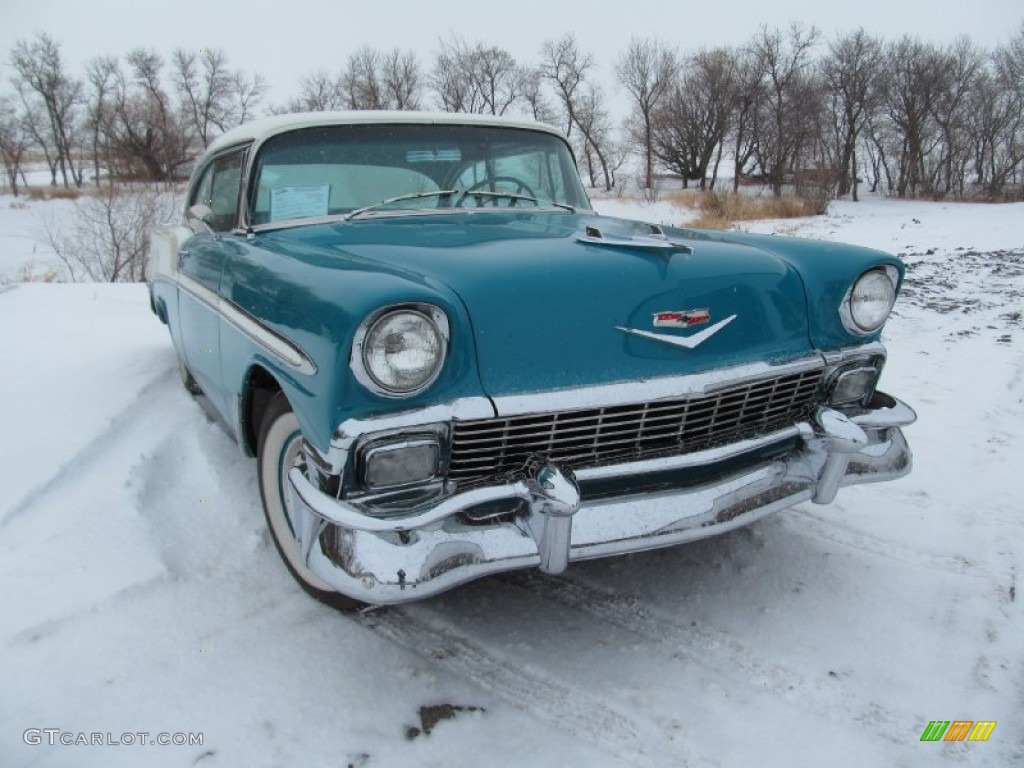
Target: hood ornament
[680,320]
[654,240]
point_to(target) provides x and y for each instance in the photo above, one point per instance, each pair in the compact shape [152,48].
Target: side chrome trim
[648,390]
[273,342]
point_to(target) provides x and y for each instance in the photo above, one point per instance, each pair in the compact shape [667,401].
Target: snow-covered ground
[142,594]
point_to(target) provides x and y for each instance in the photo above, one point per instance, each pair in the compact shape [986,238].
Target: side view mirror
[200,218]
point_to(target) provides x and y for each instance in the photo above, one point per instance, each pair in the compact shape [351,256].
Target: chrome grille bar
[590,437]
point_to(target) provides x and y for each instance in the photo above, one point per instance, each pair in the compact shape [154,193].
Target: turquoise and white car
[448,365]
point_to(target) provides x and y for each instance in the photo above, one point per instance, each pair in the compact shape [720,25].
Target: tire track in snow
[126,425]
[714,651]
[570,709]
[808,523]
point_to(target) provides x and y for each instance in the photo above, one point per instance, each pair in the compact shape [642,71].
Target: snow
[142,593]
[22,236]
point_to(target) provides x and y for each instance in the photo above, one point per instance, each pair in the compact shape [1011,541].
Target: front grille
[594,436]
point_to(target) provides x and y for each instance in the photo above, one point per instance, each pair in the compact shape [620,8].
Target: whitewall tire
[279,450]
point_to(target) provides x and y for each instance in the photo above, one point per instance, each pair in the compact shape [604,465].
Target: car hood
[552,308]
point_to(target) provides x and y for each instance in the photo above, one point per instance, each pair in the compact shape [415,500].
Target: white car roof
[262,129]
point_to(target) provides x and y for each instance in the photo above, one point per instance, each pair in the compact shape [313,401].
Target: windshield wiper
[411,196]
[462,195]
[511,196]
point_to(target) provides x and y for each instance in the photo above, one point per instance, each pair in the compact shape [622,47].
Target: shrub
[107,238]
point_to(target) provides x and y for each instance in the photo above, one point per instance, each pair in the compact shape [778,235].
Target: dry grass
[53,193]
[27,274]
[720,210]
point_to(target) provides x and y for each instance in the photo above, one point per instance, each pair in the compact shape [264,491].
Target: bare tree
[995,119]
[318,92]
[961,64]
[784,59]
[565,66]
[247,92]
[147,136]
[476,78]
[39,70]
[749,93]
[536,101]
[690,124]
[452,83]
[14,142]
[498,77]
[914,81]
[204,86]
[359,82]
[647,70]
[374,80]
[403,80]
[852,74]
[101,73]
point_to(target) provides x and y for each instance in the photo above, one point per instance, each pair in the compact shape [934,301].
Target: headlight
[869,301]
[400,352]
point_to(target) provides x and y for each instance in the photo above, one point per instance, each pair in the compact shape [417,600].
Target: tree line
[786,109]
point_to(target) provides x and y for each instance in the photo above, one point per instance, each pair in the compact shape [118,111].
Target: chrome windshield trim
[648,390]
[273,342]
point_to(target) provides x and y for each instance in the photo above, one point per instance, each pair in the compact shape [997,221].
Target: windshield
[346,169]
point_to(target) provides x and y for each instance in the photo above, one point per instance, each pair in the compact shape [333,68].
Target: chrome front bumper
[392,560]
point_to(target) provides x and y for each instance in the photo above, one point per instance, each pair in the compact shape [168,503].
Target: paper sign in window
[299,202]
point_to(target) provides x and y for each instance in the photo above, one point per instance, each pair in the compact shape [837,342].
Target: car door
[201,264]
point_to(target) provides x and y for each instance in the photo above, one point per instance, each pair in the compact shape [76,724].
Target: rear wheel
[278,451]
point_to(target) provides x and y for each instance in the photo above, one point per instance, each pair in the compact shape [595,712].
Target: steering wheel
[521,189]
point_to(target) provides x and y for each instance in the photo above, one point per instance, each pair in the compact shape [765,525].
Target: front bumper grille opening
[594,436]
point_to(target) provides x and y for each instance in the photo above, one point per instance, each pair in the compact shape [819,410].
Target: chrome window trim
[283,349]
[206,162]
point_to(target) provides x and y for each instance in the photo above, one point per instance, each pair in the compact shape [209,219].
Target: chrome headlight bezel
[363,340]
[853,319]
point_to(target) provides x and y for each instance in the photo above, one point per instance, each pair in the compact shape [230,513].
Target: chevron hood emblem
[687,342]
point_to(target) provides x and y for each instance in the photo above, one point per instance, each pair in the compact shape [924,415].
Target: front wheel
[278,451]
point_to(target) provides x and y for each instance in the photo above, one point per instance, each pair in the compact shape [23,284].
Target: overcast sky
[285,39]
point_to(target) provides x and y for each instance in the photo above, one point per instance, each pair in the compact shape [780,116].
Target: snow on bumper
[392,560]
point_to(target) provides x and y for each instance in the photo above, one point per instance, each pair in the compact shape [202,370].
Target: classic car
[448,365]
